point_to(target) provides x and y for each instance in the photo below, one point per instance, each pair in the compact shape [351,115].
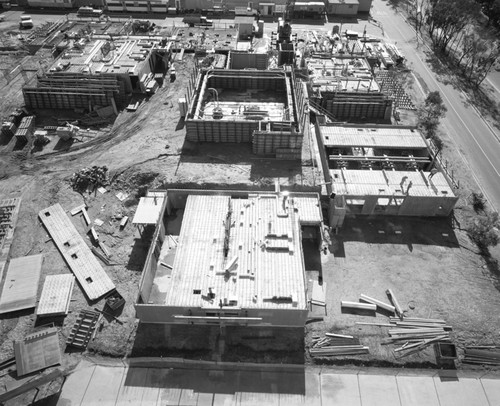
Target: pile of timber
[415,334]
[484,355]
[336,345]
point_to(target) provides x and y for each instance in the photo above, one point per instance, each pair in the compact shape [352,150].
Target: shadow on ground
[395,230]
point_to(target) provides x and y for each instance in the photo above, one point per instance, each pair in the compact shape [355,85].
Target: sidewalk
[117,383]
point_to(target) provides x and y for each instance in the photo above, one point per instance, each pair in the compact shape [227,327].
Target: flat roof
[389,183]
[346,84]
[372,137]
[264,245]
[149,210]
[126,57]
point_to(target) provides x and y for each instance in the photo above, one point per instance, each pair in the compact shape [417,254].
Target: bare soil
[431,264]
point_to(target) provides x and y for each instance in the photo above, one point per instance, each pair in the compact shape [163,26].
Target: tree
[447,18]
[429,114]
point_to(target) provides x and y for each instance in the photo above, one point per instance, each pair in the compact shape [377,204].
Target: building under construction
[98,72]
[382,169]
[264,108]
[242,264]
[345,87]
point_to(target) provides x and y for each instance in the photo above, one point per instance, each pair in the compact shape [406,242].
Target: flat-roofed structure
[381,169]
[98,72]
[264,108]
[345,87]
[238,259]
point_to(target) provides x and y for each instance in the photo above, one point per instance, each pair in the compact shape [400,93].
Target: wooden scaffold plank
[21,284]
[84,265]
[56,295]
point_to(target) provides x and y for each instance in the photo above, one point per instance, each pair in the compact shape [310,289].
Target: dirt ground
[431,265]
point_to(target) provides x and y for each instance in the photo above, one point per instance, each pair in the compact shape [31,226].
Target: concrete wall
[155,313]
[242,60]
[51,3]
[364,6]
[343,9]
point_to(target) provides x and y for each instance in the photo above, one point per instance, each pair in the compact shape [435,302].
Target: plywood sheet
[37,351]
[56,295]
[84,265]
[21,284]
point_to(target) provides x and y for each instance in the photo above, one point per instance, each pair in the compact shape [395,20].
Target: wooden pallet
[83,330]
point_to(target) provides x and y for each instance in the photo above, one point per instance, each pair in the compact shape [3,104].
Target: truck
[26,22]
[197,21]
[89,12]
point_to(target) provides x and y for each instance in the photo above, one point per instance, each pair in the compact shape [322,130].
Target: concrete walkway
[122,384]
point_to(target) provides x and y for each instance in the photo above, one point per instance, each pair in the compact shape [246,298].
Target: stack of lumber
[415,334]
[336,345]
[485,355]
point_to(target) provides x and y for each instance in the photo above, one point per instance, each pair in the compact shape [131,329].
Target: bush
[478,202]
[482,231]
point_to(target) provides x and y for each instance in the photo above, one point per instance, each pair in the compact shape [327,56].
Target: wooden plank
[392,297]
[37,351]
[35,383]
[318,293]
[77,209]
[88,271]
[21,284]
[378,303]
[356,305]
[56,295]
[86,216]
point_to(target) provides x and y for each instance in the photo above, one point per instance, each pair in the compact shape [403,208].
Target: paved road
[477,142]
[120,384]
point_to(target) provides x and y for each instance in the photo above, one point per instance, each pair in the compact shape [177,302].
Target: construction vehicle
[26,22]
[197,21]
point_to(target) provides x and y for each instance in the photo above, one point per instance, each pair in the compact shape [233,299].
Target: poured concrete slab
[378,390]
[225,399]
[342,389]
[291,399]
[104,386]
[491,389]
[132,388]
[75,386]
[460,392]
[417,391]
[313,388]
[205,399]
[154,379]
[188,397]
[259,399]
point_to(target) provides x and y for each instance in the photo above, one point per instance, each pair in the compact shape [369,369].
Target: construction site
[189,194]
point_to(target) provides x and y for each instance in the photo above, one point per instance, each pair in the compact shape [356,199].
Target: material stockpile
[89,177]
[336,345]
[484,355]
[25,129]
[73,91]
[392,88]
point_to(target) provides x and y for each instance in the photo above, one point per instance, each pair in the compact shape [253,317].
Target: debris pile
[336,345]
[92,178]
[484,355]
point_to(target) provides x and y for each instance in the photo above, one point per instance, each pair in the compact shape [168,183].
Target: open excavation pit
[265,108]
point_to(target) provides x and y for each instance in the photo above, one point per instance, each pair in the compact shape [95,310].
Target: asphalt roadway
[477,141]
[118,383]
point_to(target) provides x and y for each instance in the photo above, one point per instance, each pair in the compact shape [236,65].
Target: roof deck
[256,262]
[389,183]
